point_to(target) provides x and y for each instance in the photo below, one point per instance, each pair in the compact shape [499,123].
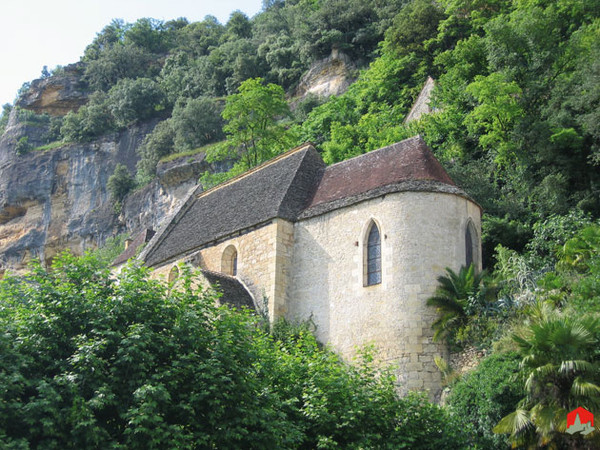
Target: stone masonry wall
[263,257]
[421,234]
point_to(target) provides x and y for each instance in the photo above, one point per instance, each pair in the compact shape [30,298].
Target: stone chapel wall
[422,233]
[263,256]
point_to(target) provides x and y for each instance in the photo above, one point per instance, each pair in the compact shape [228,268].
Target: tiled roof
[294,186]
[234,292]
[131,251]
[282,187]
[405,166]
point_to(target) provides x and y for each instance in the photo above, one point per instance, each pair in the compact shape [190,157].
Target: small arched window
[373,256]
[234,265]
[173,274]
[229,261]
[471,246]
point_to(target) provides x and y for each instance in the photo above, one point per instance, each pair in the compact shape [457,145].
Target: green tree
[120,183]
[496,114]
[136,100]
[196,122]
[451,299]
[160,142]
[92,359]
[198,38]
[559,369]
[118,62]
[186,77]
[149,34]
[110,35]
[90,121]
[252,117]
[238,26]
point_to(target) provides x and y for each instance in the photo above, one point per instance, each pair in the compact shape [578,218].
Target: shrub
[90,121]
[116,63]
[23,146]
[196,122]
[157,144]
[136,100]
[6,109]
[93,360]
[120,183]
[481,398]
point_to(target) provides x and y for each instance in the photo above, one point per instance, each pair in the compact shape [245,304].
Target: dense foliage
[94,361]
[120,183]
[516,101]
[486,395]
[552,335]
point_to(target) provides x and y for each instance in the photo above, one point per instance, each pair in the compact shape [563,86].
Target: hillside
[69,130]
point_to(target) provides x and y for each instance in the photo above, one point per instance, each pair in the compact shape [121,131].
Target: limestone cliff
[56,95]
[327,77]
[57,199]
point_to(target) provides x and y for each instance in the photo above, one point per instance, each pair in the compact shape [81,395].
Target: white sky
[37,33]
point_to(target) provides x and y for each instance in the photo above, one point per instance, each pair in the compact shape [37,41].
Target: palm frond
[514,423]
[583,388]
[579,366]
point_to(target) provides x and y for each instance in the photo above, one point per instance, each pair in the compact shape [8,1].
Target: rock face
[422,104]
[327,77]
[56,95]
[56,200]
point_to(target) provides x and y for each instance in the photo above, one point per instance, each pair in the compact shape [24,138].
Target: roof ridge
[255,169]
[371,152]
[297,173]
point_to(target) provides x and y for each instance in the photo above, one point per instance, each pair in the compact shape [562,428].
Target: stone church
[354,248]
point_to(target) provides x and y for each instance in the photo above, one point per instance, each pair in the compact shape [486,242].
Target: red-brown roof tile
[409,160]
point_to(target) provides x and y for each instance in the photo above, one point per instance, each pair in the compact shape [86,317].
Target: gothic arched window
[229,261]
[471,246]
[373,256]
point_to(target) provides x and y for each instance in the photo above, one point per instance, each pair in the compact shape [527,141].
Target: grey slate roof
[234,292]
[295,186]
[282,187]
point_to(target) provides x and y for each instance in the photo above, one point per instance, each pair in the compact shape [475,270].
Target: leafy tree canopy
[93,360]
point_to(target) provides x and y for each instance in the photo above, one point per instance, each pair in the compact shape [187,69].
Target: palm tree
[451,298]
[560,371]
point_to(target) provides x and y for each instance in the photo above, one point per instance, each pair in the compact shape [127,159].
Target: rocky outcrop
[327,77]
[422,103]
[181,170]
[56,200]
[58,94]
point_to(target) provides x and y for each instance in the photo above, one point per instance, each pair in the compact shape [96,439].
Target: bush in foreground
[90,361]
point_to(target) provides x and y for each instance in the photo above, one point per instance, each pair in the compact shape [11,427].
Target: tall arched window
[229,261]
[373,256]
[471,246]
